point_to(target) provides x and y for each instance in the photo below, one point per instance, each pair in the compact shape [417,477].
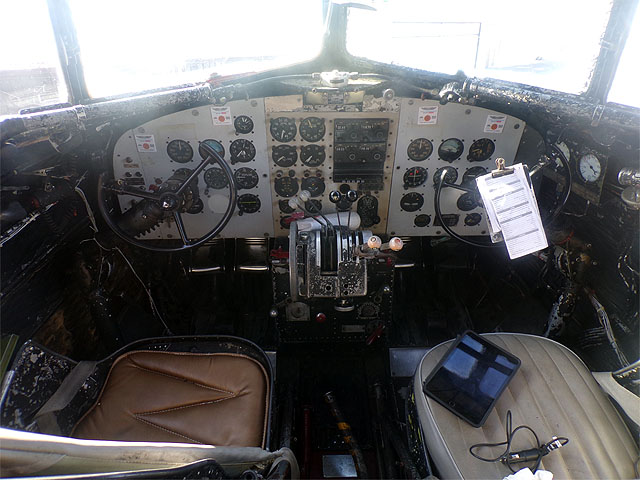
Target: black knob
[335,196]
[352,195]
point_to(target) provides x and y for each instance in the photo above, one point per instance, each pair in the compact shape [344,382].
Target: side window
[625,84]
[30,73]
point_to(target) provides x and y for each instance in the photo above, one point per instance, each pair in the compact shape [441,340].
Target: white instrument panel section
[141,156]
[479,133]
[423,136]
[304,169]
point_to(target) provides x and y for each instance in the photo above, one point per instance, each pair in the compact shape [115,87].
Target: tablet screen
[470,377]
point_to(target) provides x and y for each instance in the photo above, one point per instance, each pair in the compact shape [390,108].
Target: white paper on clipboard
[513,210]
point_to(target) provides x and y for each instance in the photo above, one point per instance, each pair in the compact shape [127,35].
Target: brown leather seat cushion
[213,399]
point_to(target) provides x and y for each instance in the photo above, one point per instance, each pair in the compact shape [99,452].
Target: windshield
[128,46]
[546,43]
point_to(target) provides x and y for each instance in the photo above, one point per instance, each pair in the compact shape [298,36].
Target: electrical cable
[507,457]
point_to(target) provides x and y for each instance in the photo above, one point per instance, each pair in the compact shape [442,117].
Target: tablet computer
[470,377]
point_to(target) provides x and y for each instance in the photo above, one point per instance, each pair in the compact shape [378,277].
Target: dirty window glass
[546,43]
[128,46]
[30,73]
[625,84]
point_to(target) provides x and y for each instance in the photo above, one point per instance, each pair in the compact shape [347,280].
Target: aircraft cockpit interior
[320,239]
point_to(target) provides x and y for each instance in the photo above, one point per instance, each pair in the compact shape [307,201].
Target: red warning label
[495,123]
[146,143]
[221,115]
[427,115]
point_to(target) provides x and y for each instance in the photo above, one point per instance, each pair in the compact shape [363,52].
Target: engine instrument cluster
[380,159]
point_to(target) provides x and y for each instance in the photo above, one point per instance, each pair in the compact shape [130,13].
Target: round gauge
[422,220]
[312,129]
[243,124]
[285,222]
[216,145]
[215,178]
[248,203]
[411,202]
[314,185]
[284,155]
[283,129]
[285,207]
[450,149]
[565,150]
[481,150]
[472,219]
[313,206]
[473,173]
[415,176]
[467,201]
[179,151]
[589,168]
[450,176]
[419,149]
[242,150]
[312,155]
[285,186]
[246,178]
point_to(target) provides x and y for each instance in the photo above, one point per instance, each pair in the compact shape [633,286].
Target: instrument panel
[379,159]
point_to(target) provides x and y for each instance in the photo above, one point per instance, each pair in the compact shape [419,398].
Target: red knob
[321,318]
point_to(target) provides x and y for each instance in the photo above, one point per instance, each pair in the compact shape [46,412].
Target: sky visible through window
[546,43]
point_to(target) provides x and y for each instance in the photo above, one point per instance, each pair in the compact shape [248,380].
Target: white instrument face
[589,168]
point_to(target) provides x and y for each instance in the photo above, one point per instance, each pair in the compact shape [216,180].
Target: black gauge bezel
[449,156]
[413,195]
[288,151]
[487,148]
[278,182]
[173,156]
[423,220]
[451,172]
[422,156]
[312,133]
[467,202]
[235,149]
[476,216]
[243,128]
[248,196]
[319,155]
[289,132]
[318,185]
[284,207]
[218,172]
[409,181]
[241,183]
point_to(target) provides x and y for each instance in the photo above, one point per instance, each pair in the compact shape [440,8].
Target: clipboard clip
[501,170]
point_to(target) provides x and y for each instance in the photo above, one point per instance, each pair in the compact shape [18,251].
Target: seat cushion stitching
[588,459]
[543,418]
[151,424]
[181,379]
[596,395]
[267,394]
[183,407]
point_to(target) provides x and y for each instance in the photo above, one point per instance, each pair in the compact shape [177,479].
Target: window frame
[613,43]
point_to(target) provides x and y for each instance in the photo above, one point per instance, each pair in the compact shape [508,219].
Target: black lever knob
[352,195]
[335,196]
